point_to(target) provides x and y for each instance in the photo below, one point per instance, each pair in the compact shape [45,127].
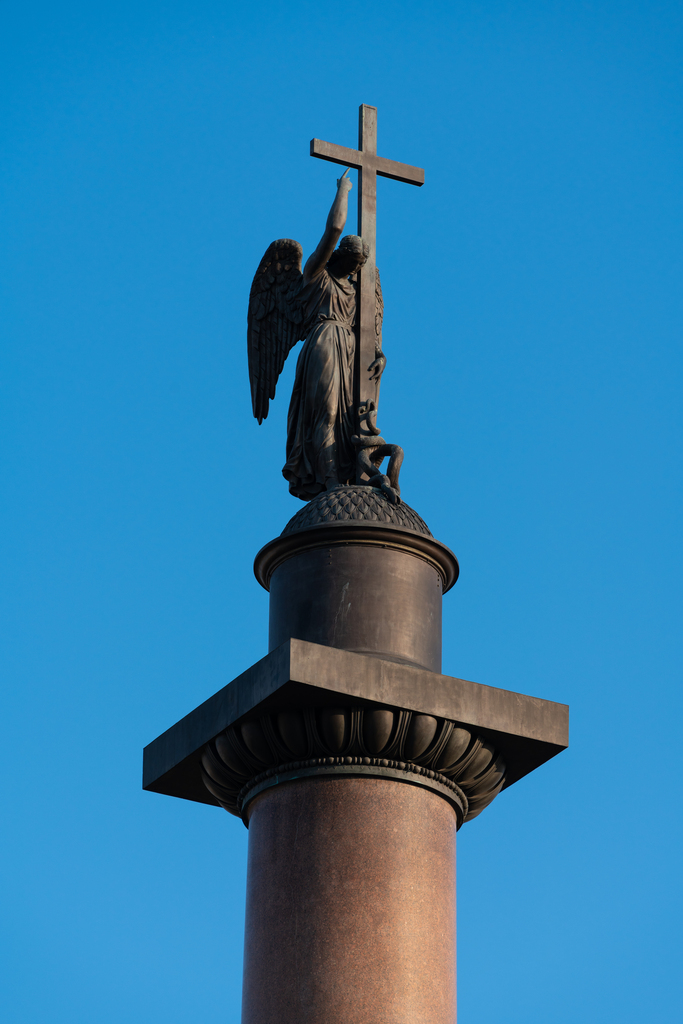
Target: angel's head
[349,257]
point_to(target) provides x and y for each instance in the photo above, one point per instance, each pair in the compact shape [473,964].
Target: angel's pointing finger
[344,181]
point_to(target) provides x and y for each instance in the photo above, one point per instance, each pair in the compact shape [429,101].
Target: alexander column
[347,754]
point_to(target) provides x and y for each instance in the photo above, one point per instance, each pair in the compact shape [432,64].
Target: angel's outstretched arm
[336,220]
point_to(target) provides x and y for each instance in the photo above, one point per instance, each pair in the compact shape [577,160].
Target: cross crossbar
[357,159]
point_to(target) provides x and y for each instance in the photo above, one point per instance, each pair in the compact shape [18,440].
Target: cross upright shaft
[369,165]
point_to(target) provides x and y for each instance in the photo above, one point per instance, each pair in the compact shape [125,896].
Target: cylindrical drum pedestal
[367,586]
[350,904]
[362,598]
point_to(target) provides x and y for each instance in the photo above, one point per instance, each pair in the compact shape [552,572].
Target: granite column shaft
[350,904]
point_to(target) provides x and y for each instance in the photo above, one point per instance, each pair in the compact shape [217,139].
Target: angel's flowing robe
[320,422]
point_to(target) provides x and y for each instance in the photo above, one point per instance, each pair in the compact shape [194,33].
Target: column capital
[354,739]
[300,678]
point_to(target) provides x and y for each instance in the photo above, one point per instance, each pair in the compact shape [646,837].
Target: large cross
[369,165]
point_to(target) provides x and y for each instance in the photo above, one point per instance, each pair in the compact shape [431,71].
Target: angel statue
[319,308]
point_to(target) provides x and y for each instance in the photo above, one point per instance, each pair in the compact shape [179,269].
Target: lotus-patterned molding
[340,738]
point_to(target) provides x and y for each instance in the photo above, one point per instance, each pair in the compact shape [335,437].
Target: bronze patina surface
[335,306]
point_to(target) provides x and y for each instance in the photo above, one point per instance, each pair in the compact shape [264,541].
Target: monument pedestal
[353,762]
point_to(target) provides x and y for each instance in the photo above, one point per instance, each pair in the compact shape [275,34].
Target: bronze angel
[318,307]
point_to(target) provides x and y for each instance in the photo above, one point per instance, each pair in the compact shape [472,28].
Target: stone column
[353,762]
[350,904]
[352,814]
[353,807]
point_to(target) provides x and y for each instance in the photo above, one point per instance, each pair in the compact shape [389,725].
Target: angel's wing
[275,321]
[379,311]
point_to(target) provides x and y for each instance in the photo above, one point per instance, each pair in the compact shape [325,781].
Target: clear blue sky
[150,152]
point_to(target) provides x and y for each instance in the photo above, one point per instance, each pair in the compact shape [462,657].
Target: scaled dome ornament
[356,504]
